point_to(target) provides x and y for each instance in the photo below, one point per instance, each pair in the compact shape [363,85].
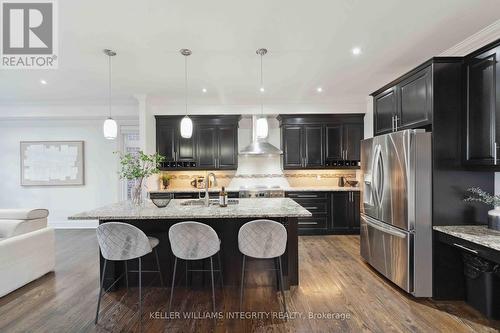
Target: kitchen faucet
[207,185]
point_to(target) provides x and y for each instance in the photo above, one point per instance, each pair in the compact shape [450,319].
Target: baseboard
[73,224]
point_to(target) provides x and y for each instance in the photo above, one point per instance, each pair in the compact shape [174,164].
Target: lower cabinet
[345,212]
[332,212]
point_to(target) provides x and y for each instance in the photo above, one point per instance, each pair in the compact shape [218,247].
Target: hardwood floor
[333,280]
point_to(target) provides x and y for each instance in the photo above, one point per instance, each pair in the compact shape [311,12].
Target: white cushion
[25,258]
[23,214]
[11,228]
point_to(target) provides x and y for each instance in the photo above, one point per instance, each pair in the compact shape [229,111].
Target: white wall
[101,179]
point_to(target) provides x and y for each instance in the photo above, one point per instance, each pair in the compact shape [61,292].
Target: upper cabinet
[384,111]
[415,100]
[214,144]
[482,109]
[321,141]
[405,104]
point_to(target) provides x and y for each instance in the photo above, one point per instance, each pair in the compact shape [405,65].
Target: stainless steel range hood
[259,146]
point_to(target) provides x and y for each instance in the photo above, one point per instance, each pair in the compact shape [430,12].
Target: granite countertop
[247,208]
[287,189]
[479,234]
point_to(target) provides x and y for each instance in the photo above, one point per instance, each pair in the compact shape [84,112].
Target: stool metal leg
[242,281]
[212,278]
[172,286]
[126,273]
[281,284]
[140,291]
[220,270]
[277,273]
[100,291]
[158,265]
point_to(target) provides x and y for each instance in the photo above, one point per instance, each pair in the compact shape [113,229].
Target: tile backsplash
[182,179]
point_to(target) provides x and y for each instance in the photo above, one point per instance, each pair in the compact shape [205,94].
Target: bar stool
[121,242]
[194,241]
[262,239]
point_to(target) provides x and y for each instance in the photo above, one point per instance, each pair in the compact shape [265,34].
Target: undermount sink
[212,202]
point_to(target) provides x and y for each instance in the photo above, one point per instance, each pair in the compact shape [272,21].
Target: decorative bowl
[352,183]
[161,203]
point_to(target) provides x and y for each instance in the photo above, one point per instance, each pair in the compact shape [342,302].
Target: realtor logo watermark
[29,34]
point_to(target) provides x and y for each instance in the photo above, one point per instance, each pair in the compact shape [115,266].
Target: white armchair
[27,247]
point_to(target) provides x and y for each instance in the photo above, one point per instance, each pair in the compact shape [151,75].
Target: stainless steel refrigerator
[396,212]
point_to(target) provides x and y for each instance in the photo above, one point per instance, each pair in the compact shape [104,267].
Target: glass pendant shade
[186,127]
[261,128]
[110,129]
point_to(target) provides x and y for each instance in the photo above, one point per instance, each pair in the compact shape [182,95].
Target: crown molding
[474,42]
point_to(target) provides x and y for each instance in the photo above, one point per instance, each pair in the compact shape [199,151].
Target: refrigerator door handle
[378,177]
[384,228]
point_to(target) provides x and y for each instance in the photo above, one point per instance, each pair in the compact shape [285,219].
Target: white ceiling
[309,45]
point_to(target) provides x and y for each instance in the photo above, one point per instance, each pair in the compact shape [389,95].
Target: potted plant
[478,195]
[137,167]
[165,180]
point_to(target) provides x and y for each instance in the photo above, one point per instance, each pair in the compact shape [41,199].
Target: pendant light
[110,128]
[261,127]
[186,122]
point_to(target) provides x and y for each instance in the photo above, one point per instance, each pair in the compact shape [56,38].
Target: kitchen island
[225,220]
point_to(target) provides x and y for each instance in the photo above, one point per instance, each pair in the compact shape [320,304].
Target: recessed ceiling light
[42,81]
[262,89]
[319,89]
[356,51]
[204,90]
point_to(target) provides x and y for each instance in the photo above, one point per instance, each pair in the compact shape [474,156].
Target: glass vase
[136,192]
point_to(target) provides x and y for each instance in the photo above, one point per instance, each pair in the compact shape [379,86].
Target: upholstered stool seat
[262,239]
[121,242]
[194,241]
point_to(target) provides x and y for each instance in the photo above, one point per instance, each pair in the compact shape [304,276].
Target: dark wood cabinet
[206,146]
[313,146]
[351,143]
[332,212]
[318,203]
[415,98]
[217,147]
[321,141]
[345,212]
[213,145]
[334,142]
[165,140]
[186,149]
[227,146]
[405,103]
[384,111]
[482,124]
[302,146]
[291,138]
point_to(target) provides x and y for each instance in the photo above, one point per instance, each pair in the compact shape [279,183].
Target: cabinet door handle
[302,195]
[465,248]
[396,118]
[392,119]
[495,153]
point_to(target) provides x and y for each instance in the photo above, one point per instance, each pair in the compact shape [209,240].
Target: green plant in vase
[165,180]
[478,195]
[137,167]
